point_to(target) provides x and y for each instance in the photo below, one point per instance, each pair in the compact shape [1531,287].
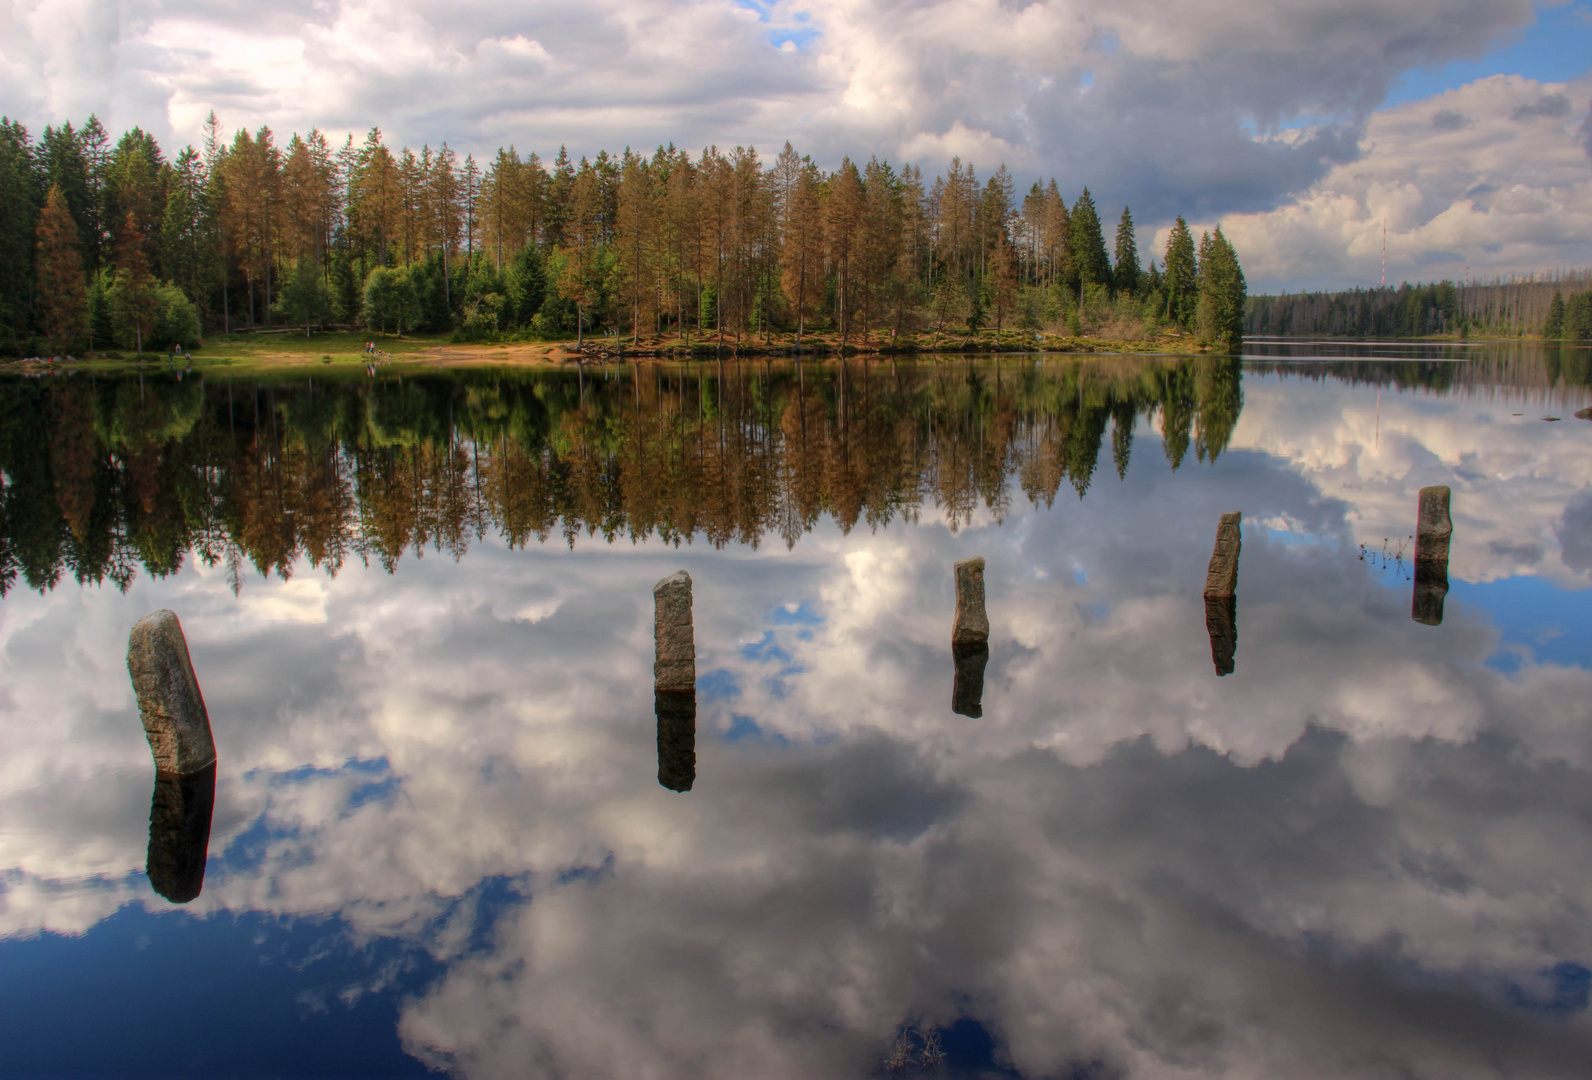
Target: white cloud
[1491,178]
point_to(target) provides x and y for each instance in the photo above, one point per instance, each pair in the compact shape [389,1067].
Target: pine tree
[1088,246]
[63,301]
[1553,328]
[135,293]
[1003,281]
[844,214]
[1220,304]
[19,202]
[1180,275]
[1126,273]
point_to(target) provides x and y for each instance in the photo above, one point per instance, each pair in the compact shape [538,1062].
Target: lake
[452,828]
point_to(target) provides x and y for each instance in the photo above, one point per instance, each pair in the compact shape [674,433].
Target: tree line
[113,244]
[101,476]
[1554,306]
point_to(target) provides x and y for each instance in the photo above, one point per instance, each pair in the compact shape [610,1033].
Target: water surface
[420,610]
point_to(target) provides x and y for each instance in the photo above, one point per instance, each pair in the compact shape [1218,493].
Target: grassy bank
[346,349]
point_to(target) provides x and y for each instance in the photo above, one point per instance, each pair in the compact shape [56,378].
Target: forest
[114,245]
[101,476]
[1554,306]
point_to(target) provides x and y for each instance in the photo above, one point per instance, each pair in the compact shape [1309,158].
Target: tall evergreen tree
[1553,327]
[1125,275]
[135,293]
[1220,305]
[19,207]
[63,301]
[1181,275]
[1088,246]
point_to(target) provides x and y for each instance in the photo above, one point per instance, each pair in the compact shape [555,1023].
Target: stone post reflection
[1221,587]
[1433,530]
[674,681]
[179,832]
[676,739]
[969,639]
[967,693]
[178,729]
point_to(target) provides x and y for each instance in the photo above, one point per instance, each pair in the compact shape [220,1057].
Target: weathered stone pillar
[1221,577]
[1433,530]
[676,739]
[178,729]
[972,624]
[179,832]
[967,692]
[175,721]
[674,663]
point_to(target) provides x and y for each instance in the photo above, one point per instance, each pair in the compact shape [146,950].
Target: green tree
[176,319]
[19,207]
[1553,328]
[1088,245]
[1181,275]
[1222,292]
[305,298]
[1126,273]
[390,300]
[63,301]
[134,291]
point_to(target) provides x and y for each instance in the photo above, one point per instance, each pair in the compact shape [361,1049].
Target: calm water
[420,610]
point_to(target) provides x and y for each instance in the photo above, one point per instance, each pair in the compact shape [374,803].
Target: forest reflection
[103,476]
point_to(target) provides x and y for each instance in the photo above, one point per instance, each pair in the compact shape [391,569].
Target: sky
[1304,128]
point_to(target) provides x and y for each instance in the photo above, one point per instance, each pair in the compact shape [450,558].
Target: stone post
[1221,577]
[175,721]
[972,624]
[674,663]
[1433,530]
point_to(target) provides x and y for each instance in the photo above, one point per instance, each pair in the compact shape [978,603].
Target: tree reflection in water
[104,475]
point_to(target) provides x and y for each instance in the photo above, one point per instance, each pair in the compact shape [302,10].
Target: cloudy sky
[1306,125]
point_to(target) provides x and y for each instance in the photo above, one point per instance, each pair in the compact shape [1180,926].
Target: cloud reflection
[1361,851]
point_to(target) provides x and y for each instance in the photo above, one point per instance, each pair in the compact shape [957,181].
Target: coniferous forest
[1555,307]
[114,243]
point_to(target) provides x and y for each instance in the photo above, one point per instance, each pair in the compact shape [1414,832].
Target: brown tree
[63,300]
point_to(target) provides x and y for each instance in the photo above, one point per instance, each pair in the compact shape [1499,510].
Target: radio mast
[1384,253]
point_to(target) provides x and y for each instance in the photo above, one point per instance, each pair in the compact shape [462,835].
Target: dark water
[447,829]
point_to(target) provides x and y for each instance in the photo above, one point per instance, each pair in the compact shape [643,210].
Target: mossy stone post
[1221,589]
[1433,530]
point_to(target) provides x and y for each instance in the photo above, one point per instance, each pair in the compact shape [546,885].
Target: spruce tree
[1088,246]
[63,301]
[1553,329]
[1126,273]
[1180,279]
[135,293]
[19,202]
[1220,304]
